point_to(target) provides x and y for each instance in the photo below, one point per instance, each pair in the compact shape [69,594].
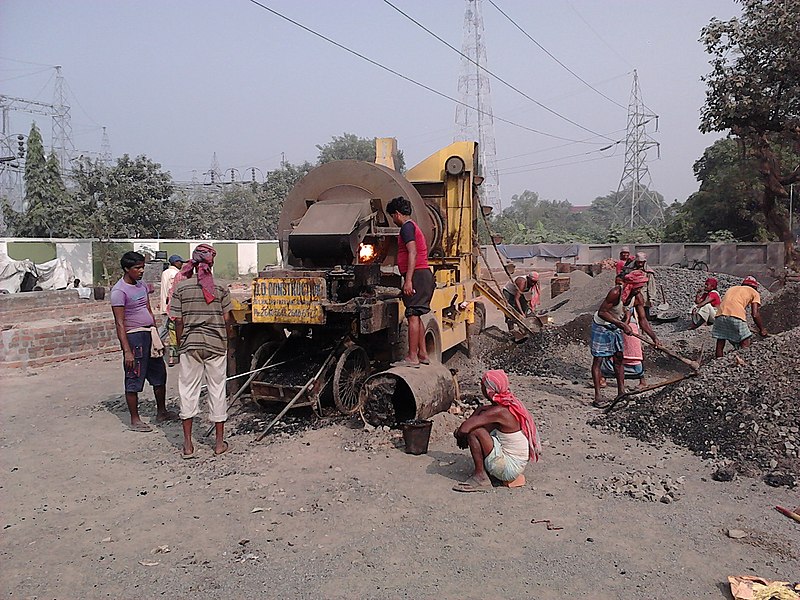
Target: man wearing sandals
[501,437]
[142,350]
[203,317]
[418,282]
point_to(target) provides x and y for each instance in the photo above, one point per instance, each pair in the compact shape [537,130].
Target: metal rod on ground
[648,388]
[297,396]
[245,385]
[692,363]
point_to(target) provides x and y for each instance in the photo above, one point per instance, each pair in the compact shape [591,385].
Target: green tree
[128,199]
[754,92]
[46,200]
[350,146]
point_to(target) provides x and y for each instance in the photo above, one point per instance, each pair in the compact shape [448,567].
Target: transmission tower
[213,175]
[477,123]
[105,148]
[634,194]
[62,125]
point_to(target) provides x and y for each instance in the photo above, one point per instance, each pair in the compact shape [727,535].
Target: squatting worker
[142,349]
[418,282]
[514,292]
[203,317]
[730,323]
[609,324]
[706,302]
[501,437]
[167,331]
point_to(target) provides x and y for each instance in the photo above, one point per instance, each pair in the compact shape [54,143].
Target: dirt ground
[92,510]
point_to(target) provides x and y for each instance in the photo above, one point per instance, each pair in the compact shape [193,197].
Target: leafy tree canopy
[350,146]
[754,92]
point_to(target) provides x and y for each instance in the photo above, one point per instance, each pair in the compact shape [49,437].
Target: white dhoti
[704,314]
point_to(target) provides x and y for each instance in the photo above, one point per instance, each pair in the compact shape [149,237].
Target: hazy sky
[179,80]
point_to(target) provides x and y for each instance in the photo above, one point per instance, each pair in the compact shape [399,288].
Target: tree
[754,92]
[128,199]
[728,199]
[46,199]
[350,146]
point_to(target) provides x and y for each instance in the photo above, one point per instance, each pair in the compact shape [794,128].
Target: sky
[180,80]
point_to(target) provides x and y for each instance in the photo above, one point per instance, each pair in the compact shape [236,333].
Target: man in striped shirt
[203,317]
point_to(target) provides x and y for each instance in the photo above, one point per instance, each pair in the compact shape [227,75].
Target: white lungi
[195,366]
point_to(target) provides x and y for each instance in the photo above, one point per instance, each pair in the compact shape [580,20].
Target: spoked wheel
[352,370]
[700,266]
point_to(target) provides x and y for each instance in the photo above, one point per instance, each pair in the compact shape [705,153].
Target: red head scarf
[712,282]
[751,281]
[202,261]
[496,385]
[632,281]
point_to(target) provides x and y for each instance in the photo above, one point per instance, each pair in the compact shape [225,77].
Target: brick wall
[37,328]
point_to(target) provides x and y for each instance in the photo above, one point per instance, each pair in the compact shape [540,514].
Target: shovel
[692,363]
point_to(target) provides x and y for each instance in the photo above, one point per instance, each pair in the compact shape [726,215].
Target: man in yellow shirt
[731,320]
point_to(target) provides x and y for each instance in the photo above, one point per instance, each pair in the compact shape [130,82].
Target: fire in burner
[366,252]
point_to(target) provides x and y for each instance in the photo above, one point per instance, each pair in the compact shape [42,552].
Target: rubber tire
[480,320]
[337,376]
[433,338]
[700,265]
[676,265]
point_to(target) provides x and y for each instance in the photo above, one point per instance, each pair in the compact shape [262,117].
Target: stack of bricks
[37,328]
[559,285]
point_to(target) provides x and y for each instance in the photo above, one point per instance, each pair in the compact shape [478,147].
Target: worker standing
[418,282]
[625,261]
[203,316]
[167,331]
[141,347]
[649,291]
[730,323]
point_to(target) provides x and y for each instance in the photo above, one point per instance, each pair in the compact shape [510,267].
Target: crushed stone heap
[748,413]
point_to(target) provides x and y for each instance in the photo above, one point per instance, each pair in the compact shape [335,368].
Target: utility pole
[477,123]
[634,193]
[62,124]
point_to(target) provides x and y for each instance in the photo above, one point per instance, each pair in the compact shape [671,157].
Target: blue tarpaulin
[523,251]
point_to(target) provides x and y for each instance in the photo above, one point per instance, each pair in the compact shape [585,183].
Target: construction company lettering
[289,300]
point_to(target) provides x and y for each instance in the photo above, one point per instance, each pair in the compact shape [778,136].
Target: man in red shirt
[418,282]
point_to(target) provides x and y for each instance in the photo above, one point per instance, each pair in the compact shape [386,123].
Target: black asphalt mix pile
[746,410]
[681,285]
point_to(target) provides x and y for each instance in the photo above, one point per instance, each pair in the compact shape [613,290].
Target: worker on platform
[142,350]
[730,323]
[514,292]
[706,302]
[418,282]
[167,331]
[610,323]
[203,316]
[501,437]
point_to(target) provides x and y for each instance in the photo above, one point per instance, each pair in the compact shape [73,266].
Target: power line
[401,76]
[540,150]
[546,51]
[497,77]
[513,170]
[25,75]
[83,110]
[576,162]
[597,35]
[26,62]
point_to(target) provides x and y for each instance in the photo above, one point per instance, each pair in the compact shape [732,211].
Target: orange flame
[366,252]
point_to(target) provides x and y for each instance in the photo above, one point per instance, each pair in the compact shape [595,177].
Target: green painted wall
[267,254]
[179,248]
[38,252]
[108,254]
[226,263]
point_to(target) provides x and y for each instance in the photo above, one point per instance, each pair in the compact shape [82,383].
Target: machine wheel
[433,339]
[352,370]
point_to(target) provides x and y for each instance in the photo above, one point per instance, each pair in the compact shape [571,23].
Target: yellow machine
[331,315]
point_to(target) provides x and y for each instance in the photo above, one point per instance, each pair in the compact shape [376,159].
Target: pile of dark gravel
[782,310]
[681,285]
[747,413]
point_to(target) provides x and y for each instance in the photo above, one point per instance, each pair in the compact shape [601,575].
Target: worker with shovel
[731,322]
[609,324]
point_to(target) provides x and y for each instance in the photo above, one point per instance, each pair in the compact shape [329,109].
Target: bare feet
[140,426]
[167,415]
[188,451]
[475,483]
[221,449]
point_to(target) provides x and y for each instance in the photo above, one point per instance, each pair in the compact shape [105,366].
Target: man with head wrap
[730,323]
[203,317]
[649,291]
[706,301]
[610,322]
[501,437]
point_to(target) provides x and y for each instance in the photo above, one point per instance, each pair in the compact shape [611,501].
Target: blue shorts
[605,342]
[145,367]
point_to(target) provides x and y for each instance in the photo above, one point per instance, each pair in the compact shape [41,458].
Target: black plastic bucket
[416,435]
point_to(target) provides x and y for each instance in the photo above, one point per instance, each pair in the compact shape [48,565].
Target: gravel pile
[782,310]
[641,485]
[748,413]
[681,285]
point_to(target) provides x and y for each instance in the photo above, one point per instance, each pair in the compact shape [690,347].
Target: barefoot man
[142,349]
[501,437]
[608,325]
